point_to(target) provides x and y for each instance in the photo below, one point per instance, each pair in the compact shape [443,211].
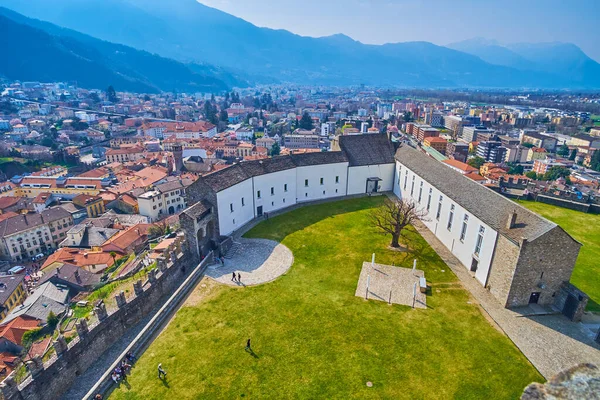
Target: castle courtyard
[313,338]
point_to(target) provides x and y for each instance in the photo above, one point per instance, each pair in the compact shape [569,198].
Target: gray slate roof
[490,207]
[225,178]
[368,149]
[72,274]
[8,284]
[47,297]
[92,235]
[24,222]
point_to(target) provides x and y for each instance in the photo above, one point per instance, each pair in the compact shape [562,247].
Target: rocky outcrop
[579,382]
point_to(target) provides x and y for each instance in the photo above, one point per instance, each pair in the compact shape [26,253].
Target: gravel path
[257,260]
[552,343]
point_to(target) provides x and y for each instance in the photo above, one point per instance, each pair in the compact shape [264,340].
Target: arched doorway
[171,210]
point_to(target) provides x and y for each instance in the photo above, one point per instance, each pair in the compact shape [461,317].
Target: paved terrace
[552,343]
[256,260]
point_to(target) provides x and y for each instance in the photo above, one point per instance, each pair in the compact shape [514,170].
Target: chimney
[512,220]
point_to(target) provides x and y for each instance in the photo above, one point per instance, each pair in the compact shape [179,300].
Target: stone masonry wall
[544,265]
[49,380]
[506,256]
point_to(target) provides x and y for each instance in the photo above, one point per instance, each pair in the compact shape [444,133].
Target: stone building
[519,256]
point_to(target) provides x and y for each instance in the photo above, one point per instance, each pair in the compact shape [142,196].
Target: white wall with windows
[467,237]
[321,181]
[274,191]
[357,177]
[235,206]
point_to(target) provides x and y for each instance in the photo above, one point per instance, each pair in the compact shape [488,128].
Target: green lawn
[586,229]
[314,339]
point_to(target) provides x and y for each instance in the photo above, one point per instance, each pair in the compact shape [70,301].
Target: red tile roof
[14,330]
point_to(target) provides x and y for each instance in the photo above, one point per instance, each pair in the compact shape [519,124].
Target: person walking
[248,347]
[161,372]
[233,276]
[239,277]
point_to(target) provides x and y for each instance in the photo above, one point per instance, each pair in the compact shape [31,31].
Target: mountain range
[234,51]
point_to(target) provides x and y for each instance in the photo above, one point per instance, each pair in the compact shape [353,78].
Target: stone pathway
[257,260]
[552,343]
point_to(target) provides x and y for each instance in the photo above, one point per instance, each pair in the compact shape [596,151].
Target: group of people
[236,279]
[120,371]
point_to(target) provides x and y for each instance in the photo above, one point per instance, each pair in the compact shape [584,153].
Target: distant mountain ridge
[190,32]
[42,51]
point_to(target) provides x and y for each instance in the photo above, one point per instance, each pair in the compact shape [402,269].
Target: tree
[556,172]
[306,122]
[563,150]
[223,116]
[52,320]
[94,98]
[275,149]
[158,229]
[394,216]
[595,161]
[63,97]
[528,145]
[111,94]
[476,162]
[146,98]
[531,175]
[114,256]
[515,169]
[573,155]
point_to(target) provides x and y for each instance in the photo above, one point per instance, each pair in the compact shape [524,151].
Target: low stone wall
[569,290]
[563,203]
[51,379]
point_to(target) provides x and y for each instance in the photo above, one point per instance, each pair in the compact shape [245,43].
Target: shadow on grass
[165,383]
[593,306]
[251,352]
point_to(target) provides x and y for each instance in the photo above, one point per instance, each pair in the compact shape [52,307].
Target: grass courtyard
[586,229]
[314,339]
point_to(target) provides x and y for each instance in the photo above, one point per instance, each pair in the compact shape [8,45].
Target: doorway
[474,265]
[534,298]
[259,211]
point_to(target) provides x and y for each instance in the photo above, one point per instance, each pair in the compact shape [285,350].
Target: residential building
[457,151]
[87,236]
[93,261]
[539,140]
[75,278]
[244,133]
[536,153]
[424,131]
[180,129]
[125,154]
[582,140]
[491,151]
[12,293]
[516,154]
[460,167]
[27,235]
[132,239]
[11,334]
[164,200]
[436,143]
[45,299]
[265,142]
[472,133]
[301,139]
[542,165]
[93,205]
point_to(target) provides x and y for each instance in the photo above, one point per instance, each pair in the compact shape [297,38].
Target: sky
[438,21]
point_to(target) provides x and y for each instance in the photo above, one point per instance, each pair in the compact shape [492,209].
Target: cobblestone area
[256,260]
[391,284]
[552,343]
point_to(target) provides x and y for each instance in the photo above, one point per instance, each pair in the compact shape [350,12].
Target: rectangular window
[405,180]
[450,217]
[272,191]
[306,182]
[258,194]
[321,181]
[439,210]
[231,207]
[479,239]
[463,231]
[243,203]
[412,186]
[285,187]
[420,192]
[429,199]
[337,179]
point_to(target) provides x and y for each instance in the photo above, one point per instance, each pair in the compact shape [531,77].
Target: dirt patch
[206,289]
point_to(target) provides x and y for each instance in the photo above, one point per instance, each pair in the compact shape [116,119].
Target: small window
[305,194]
[243,203]
[337,179]
[258,194]
[285,187]
[272,191]
[284,200]
[412,187]
[463,231]
[272,203]
[321,181]
[306,182]
[450,217]
[420,192]
[231,207]
[323,192]
[439,209]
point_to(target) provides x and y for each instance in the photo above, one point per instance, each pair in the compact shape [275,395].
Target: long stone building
[519,256]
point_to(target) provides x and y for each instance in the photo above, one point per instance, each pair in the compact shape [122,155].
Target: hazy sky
[437,21]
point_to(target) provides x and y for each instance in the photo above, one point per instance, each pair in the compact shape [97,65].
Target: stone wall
[544,265]
[570,204]
[566,290]
[506,256]
[51,379]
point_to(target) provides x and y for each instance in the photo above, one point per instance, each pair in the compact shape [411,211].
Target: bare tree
[394,216]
